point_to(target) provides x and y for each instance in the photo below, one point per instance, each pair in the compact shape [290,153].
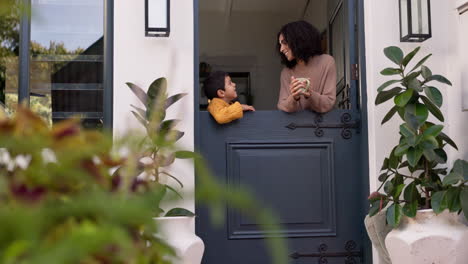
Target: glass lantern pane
[404,17]
[419,17]
[157,13]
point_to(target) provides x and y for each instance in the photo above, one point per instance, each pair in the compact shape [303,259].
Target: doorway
[320,198]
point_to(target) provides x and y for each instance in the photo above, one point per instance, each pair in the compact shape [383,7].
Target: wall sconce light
[157,18]
[415,20]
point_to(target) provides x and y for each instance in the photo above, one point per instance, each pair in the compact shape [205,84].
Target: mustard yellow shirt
[223,112]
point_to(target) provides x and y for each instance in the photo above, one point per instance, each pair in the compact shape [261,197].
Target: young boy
[220,89]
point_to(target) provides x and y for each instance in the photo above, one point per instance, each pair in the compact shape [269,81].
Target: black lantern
[415,20]
[157,22]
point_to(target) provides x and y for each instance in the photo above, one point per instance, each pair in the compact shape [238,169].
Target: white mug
[306,81]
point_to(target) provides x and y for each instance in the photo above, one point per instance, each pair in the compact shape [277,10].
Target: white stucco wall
[140,60]
[382,30]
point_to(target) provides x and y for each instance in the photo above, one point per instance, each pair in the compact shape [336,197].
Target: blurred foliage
[59,203]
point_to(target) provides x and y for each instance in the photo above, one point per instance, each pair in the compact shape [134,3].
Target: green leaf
[421,62]
[433,108]
[383,177]
[410,209]
[401,150]
[385,164]
[386,95]
[168,125]
[439,201]
[414,155]
[140,119]
[390,114]
[390,71]
[433,131]
[453,199]
[140,94]
[410,56]
[434,95]
[439,78]
[411,192]
[413,141]
[394,160]
[185,154]
[415,84]
[394,213]
[389,188]
[376,206]
[179,212]
[157,88]
[398,191]
[406,131]
[416,115]
[447,139]
[464,201]
[140,111]
[395,54]
[453,178]
[386,84]
[442,155]
[402,99]
[171,100]
[431,155]
[461,167]
[426,72]
[430,142]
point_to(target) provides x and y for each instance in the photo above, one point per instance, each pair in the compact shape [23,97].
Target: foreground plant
[60,204]
[413,176]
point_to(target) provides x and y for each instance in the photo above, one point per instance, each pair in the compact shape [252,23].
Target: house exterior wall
[446,45]
[140,60]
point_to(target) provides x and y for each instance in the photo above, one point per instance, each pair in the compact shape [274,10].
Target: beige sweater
[321,70]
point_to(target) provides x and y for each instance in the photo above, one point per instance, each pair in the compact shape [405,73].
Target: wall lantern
[415,20]
[157,18]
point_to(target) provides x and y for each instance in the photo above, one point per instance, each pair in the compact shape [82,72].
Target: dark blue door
[305,166]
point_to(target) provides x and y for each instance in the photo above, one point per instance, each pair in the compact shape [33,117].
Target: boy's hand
[247,107]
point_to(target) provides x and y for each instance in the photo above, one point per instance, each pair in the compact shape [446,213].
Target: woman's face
[284,48]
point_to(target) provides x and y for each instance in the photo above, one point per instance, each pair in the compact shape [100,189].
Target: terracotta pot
[429,239]
[177,232]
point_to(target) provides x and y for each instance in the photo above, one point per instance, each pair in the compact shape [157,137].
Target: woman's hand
[296,87]
[247,107]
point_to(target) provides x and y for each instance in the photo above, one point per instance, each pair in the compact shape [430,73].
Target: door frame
[362,95]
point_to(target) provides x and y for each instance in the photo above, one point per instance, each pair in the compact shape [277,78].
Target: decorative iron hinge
[355,71]
[350,254]
[346,124]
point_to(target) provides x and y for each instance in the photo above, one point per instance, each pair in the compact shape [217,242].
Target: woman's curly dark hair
[303,39]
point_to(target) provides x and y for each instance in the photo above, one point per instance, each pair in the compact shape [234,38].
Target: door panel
[305,166]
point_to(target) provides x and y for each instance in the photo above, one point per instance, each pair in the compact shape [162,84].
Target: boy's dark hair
[303,39]
[213,83]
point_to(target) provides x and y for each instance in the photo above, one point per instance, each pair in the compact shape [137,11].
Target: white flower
[48,156]
[5,158]
[23,161]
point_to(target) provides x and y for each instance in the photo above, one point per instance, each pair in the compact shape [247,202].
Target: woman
[300,50]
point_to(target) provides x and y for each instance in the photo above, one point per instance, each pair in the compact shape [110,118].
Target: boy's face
[229,89]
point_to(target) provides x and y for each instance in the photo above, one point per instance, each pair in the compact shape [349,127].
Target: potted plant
[421,199]
[157,154]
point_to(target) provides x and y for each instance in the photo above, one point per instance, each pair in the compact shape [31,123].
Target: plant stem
[426,189]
